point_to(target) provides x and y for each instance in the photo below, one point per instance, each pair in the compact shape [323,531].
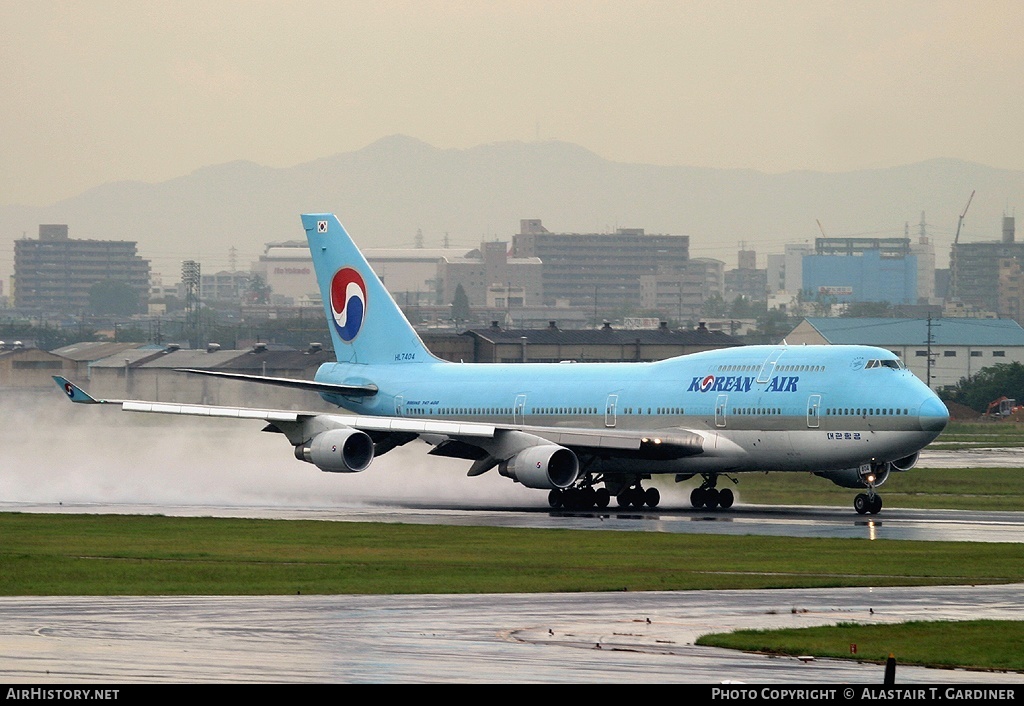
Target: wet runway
[105,463]
[517,507]
[551,638]
[134,464]
[789,521]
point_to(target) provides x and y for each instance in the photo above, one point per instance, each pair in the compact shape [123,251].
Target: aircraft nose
[933,415]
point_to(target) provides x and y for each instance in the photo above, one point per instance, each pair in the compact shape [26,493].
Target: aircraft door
[519,410]
[768,367]
[813,403]
[399,404]
[720,407]
[610,410]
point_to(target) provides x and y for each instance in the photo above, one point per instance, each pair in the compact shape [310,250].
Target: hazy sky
[98,91]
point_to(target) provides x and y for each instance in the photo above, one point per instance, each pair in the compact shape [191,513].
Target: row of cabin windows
[762,411]
[480,411]
[952,354]
[654,410]
[484,411]
[780,368]
[865,412]
[564,410]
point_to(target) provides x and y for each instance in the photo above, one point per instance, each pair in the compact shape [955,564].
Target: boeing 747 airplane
[585,432]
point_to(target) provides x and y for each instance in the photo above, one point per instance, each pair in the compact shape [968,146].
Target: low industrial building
[154,375]
[946,349]
[86,353]
[151,373]
[553,345]
[24,368]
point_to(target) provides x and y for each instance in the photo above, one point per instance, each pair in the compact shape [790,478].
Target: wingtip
[73,391]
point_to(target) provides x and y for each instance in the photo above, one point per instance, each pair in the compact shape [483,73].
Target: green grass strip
[154,555]
[982,489]
[975,644]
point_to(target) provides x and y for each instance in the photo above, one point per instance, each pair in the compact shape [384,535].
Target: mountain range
[389,190]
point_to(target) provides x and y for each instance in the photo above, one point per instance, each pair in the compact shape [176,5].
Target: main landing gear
[707,495]
[869,502]
[636,496]
[579,498]
[583,497]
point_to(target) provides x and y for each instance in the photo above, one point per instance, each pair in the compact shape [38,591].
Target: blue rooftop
[913,332]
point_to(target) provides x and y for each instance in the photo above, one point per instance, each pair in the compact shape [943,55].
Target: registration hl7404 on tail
[584,432]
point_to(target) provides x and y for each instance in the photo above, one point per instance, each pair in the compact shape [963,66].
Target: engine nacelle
[854,478]
[544,467]
[906,463]
[338,451]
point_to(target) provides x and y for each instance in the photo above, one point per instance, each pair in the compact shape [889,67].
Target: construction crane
[960,222]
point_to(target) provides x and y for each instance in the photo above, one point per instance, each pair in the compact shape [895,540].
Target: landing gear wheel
[697,496]
[555,498]
[875,504]
[579,498]
[602,497]
[652,497]
[862,503]
[711,498]
[725,498]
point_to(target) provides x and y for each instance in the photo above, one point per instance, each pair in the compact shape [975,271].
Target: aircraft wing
[381,425]
[486,444]
[301,428]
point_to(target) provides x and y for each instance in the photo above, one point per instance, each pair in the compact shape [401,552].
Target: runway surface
[510,507]
[549,638]
[113,462]
[106,463]
[791,521]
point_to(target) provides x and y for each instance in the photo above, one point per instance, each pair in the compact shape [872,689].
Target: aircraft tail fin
[365,323]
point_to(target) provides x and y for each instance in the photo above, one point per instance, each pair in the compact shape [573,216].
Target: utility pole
[191,278]
[929,342]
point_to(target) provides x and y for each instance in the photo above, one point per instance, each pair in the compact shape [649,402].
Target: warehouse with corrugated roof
[944,349]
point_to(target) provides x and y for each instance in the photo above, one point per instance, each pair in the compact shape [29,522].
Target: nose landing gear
[868,503]
[871,476]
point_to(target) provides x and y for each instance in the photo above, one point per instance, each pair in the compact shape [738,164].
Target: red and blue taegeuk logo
[348,302]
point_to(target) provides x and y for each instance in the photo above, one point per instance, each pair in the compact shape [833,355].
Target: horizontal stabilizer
[331,387]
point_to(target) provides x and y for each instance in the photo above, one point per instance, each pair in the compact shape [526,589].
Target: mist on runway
[52,451]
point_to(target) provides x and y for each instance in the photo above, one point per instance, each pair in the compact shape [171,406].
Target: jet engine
[855,478]
[906,463]
[544,467]
[338,451]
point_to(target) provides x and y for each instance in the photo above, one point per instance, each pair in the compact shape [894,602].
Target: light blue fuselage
[749,408]
[758,407]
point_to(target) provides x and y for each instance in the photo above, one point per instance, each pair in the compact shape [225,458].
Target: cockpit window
[896,364]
